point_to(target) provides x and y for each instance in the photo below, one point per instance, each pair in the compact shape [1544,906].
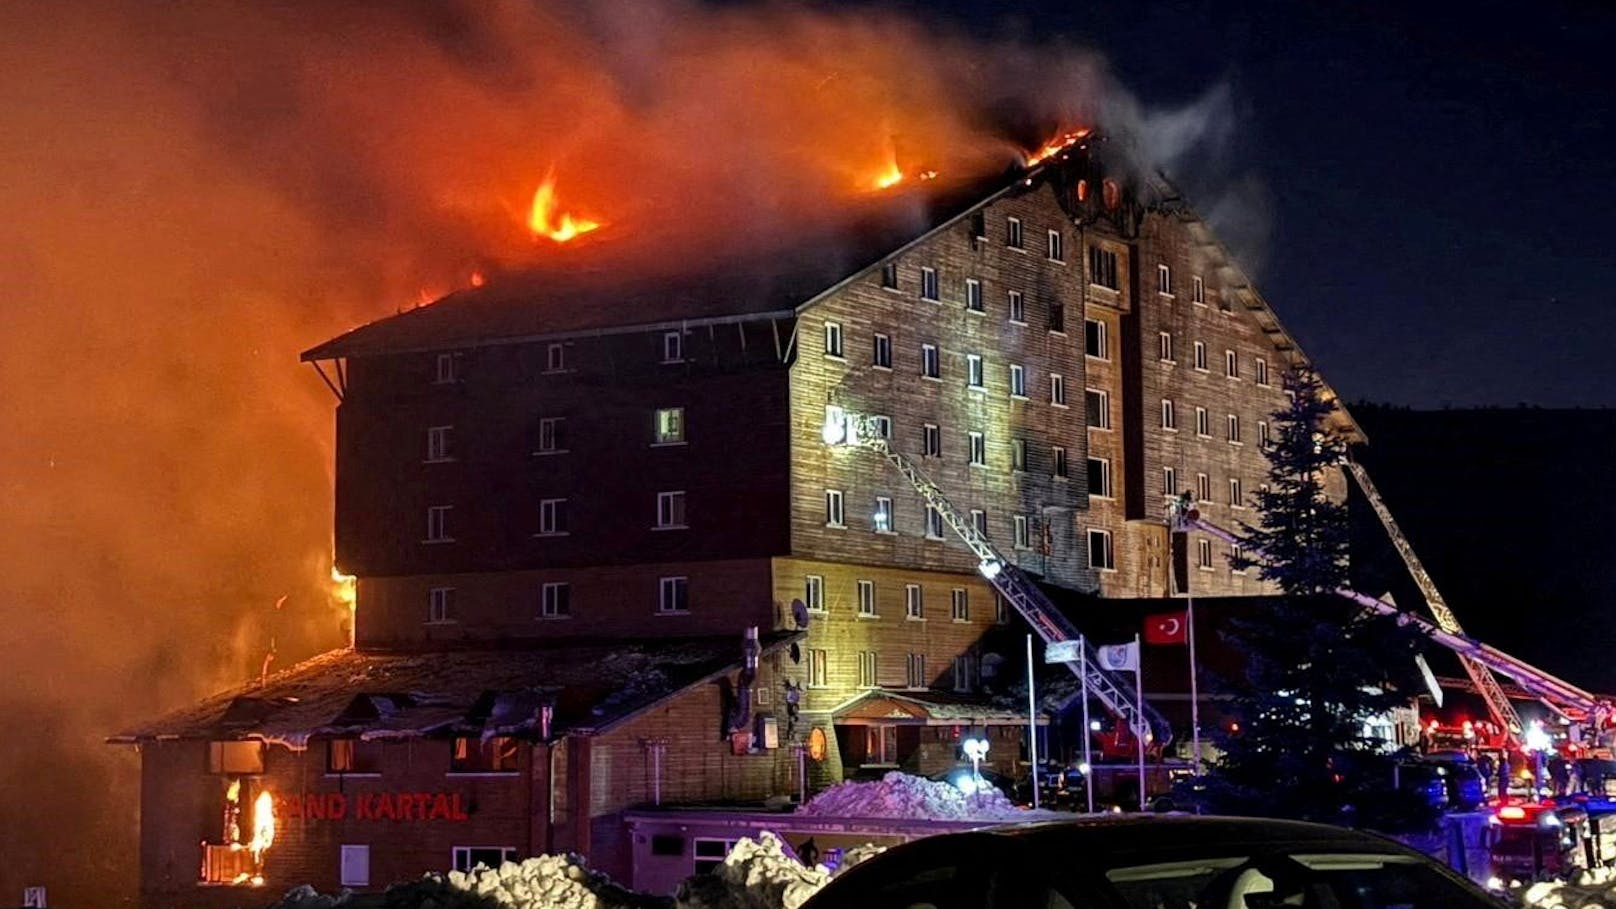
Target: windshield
[1302,880]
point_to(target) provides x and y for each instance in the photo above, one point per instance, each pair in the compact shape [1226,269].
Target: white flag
[1120,656]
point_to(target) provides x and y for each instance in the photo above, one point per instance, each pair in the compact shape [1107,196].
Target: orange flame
[890,174]
[263,825]
[477,279]
[1055,146]
[542,220]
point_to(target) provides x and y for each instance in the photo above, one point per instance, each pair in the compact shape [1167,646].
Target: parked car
[1467,786]
[1154,862]
[1427,779]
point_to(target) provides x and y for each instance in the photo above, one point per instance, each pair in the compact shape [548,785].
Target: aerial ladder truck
[846,428]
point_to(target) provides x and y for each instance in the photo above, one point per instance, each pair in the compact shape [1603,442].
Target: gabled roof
[587,687]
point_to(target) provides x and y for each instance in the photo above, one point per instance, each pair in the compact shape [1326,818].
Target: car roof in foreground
[1119,836]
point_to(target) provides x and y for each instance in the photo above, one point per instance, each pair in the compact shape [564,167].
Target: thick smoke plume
[192,192]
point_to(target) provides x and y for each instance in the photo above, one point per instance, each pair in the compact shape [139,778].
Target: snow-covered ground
[899,795]
[1594,889]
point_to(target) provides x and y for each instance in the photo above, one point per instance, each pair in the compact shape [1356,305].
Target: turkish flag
[1167,628]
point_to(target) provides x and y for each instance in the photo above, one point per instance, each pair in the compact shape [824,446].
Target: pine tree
[1317,665]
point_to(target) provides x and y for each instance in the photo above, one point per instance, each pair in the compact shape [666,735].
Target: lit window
[1259,369]
[1018,454]
[1164,347]
[1058,455]
[834,514]
[916,670]
[1164,280]
[1057,246]
[833,339]
[813,592]
[437,443]
[1018,307]
[914,604]
[960,604]
[1098,408]
[881,356]
[928,284]
[446,373]
[1200,355]
[1169,481]
[818,660]
[1012,232]
[555,358]
[670,426]
[1101,557]
[973,295]
[1057,389]
[552,435]
[1197,291]
[889,275]
[974,377]
[1020,531]
[1203,488]
[670,510]
[440,603]
[1232,428]
[934,523]
[978,447]
[1100,478]
[881,517]
[1096,342]
[498,754]
[1103,267]
[867,669]
[930,365]
[1203,553]
[437,524]
[1203,422]
[673,347]
[1231,364]
[1169,415]
[866,598]
[673,595]
[353,756]
[552,517]
[931,441]
[1018,381]
[555,600]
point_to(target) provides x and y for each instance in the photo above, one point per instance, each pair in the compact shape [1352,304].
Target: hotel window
[979,225]
[1021,538]
[440,605]
[1262,434]
[959,602]
[1164,347]
[1096,342]
[866,598]
[1203,554]
[437,524]
[1203,488]
[673,347]
[889,275]
[835,515]
[1018,381]
[928,284]
[1012,233]
[1057,455]
[883,426]
[1018,454]
[670,426]
[1057,317]
[973,295]
[1231,364]
[1198,291]
[1100,478]
[236,757]
[555,358]
[1237,555]
[930,365]
[670,510]
[1001,609]
[978,447]
[446,373]
[881,517]
[813,592]
[673,595]
[1200,355]
[1057,390]
[1232,428]
[552,517]
[709,853]
[353,863]
[916,670]
[555,600]
[931,441]
[964,673]
[867,669]
[934,523]
[914,604]
[353,756]
[979,521]
[1102,267]
[437,443]
[881,356]
[1101,558]
[1203,422]
[1169,419]
[1164,280]
[817,665]
[1170,481]
[552,435]
[974,377]
[1098,408]
[1236,497]
[1057,246]
[465,858]
[498,754]
[1018,307]
[833,339]
[1259,370]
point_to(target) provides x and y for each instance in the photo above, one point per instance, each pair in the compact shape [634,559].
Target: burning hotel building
[607,562]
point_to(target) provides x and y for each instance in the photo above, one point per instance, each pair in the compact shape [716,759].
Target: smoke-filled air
[191,193]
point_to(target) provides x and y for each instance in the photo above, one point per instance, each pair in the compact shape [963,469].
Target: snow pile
[1593,889]
[899,795]
[757,874]
[545,882]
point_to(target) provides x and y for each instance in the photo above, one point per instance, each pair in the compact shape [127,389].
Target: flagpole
[1139,714]
[1032,725]
[1195,696]
[1088,733]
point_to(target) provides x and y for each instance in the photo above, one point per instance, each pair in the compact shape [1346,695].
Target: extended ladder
[847,428]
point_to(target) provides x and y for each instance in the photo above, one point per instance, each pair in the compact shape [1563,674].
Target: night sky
[1426,196]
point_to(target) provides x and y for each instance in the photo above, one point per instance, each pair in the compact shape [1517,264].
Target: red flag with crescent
[1167,628]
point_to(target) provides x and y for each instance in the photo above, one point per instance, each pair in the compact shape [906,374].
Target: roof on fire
[589,686]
